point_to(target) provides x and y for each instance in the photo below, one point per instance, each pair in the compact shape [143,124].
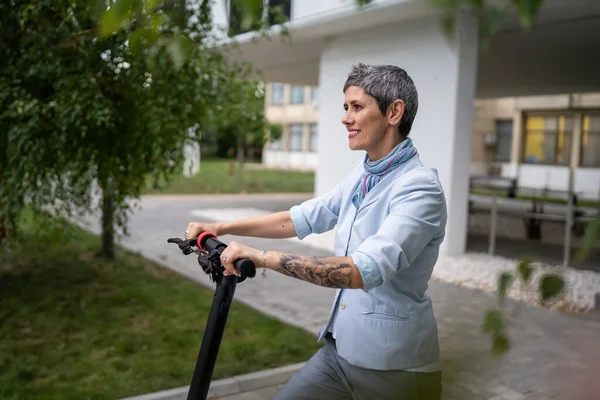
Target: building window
[590,141]
[504,130]
[236,13]
[277,12]
[280,11]
[296,136]
[314,96]
[297,96]
[276,94]
[548,139]
[313,137]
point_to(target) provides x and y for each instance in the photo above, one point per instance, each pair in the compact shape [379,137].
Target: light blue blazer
[394,239]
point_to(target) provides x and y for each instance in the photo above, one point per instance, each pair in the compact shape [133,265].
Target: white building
[296,109]
[535,139]
[558,56]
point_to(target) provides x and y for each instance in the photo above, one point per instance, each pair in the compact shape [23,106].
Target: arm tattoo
[317,270]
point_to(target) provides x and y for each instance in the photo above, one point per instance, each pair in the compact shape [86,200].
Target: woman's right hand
[194,229]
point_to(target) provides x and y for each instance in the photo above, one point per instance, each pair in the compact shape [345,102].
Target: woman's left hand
[235,251]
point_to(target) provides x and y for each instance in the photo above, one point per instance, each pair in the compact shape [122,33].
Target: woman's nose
[346,120]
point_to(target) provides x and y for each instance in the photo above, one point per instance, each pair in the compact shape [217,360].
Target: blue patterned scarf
[375,171]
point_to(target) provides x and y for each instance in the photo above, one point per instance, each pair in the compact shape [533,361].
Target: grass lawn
[220,176]
[73,326]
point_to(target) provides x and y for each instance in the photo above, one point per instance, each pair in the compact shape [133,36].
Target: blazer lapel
[376,192]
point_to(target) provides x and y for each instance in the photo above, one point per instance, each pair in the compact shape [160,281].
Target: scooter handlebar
[208,241]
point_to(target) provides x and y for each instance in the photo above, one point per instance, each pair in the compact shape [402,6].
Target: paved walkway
[554,356]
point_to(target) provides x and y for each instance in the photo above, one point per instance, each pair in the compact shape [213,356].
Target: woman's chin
[353,145]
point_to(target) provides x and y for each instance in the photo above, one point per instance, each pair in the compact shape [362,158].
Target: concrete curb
[230,386]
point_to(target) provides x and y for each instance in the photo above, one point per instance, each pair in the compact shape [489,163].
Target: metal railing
[569,218]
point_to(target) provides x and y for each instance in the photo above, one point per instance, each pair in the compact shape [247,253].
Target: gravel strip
[481,271]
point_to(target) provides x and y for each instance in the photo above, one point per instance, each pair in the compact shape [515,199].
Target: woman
[390,212]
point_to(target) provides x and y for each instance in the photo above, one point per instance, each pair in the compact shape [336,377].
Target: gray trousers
[327,376]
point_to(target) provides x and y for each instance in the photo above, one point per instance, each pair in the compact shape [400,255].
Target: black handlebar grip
[246,267]
[208,241]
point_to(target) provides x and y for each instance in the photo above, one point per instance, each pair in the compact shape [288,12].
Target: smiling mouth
[353,133]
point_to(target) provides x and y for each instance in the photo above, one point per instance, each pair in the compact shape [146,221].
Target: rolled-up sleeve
[417,215]
[317,215]
[369,270]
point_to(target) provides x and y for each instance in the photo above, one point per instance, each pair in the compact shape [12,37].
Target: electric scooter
[209,250]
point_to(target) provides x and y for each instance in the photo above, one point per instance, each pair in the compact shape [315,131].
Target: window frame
[548,114]
[278,84]
[310,139]
[497,133]
[301,131]
[584,113]
[292,94]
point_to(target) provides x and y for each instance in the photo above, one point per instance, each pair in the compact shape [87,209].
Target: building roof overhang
[558,55]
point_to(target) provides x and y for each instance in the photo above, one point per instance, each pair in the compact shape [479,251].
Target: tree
[84,105]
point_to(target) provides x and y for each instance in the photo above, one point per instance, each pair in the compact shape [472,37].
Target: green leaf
[135,42]
[500,345]
[527,10]
[491,23]
[592,234]
[504,282]
[179,48]
[251,11]
[525,270]
[550,286]
[116,17]
[141,38]
[150,5]
[492,322]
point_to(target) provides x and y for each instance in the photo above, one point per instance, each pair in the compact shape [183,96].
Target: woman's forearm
[273,226]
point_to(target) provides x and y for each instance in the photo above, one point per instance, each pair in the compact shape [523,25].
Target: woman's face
[368,129]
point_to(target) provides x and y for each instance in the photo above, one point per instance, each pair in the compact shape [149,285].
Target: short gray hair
[387,83]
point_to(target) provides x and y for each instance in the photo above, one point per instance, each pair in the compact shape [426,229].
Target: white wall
[308,8]
[445,79]
[299,160]
[587,180]
[219,12]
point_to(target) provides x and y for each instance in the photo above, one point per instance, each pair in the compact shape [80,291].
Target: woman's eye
[357,107]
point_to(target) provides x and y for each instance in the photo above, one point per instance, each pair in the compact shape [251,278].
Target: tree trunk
[108,213]
[240,159]
[2,225]
[3,162]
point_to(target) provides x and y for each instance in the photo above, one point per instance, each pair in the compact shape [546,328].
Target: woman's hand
[235,251]
[194,229]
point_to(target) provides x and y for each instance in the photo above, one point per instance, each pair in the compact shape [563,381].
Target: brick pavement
[554,356]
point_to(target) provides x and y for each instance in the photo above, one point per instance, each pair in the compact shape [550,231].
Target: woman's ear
[395,112]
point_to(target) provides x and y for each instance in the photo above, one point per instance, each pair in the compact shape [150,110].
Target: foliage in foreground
[85,108]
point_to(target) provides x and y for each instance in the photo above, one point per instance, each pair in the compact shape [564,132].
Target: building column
[517,145]
[444,72]
[575,149]
[576,140]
